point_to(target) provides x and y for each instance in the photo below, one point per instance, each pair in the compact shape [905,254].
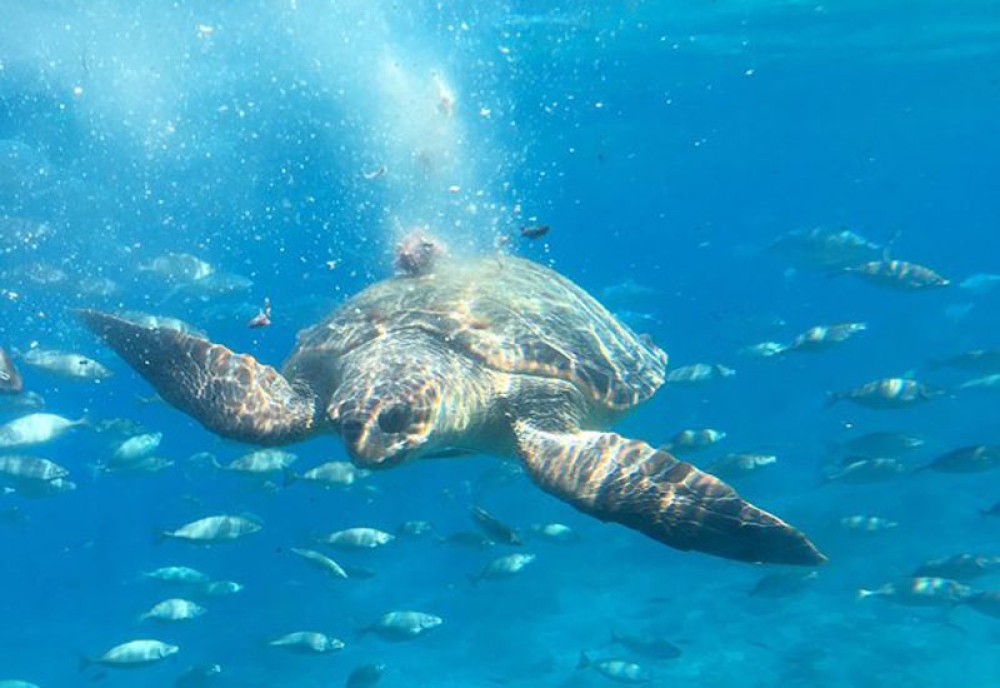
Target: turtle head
[383,423]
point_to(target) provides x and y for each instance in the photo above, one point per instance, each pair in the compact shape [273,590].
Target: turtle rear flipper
[627,481]
[230,394]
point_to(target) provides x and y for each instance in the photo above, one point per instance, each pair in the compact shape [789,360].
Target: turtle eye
[395,419]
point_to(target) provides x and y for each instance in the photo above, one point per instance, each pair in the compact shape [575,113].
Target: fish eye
[395,419]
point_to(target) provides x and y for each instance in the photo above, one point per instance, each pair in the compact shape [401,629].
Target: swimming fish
[364,676]
[783,583]
[135,653]
[136,447]
[504,567]
[861,471]
[984,361]
[214,529]
[36,428]
[261,461]
[198,676]
[886,393]
[534,231]
[867,524]
[71,366]
[321,561]
[689,441]
[308,642]
[825,248]
[554,532]
[178,267]
[972,459]
[899,275]
[357,538]
[880,444]
[619,670]
[184,575]
[986,602]
[732,465]
[494,528]
[19,468]
[174,609]
[823,337]
[921,591]
[959,567]
[403,625]
[649,644]
[697,373]
[330,474]
[414,528]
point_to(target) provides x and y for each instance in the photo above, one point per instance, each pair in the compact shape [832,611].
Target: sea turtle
[495,354]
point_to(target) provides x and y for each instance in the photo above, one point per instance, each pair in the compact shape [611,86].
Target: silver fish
[403,625]
[135,653]
[308,642]
[36,428]
[71,366]
[174,609]
[357,538]
[214,529]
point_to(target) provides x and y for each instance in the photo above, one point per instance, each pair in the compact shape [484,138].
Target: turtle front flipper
[616,479]
[230,394]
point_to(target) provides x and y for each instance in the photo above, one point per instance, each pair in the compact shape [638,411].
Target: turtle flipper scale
[230,394]
[616,479]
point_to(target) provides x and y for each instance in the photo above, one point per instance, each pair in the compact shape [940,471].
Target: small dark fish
[199,676]
[992,511]
[959,567]
[10,378]
[973,459]
[534,231]
[649,644]
[494,527]
[983,361]
[783,583]
[880,444]
[365,676]
[985,602]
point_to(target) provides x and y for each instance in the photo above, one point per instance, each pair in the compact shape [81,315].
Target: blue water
[664,142]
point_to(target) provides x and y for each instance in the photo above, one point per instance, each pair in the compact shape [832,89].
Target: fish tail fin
[615,638]
[83,663]
[288,477]
[584,661]
[832,398]
[474,579]
[863,593]
[159,536]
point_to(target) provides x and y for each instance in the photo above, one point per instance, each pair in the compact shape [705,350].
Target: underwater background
[671,147]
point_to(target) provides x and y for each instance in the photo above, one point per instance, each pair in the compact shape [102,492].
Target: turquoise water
[293,143]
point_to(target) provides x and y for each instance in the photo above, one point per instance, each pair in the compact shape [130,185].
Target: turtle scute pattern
[511,315]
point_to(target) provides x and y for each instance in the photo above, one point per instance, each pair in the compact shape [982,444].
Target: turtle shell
[511,315]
